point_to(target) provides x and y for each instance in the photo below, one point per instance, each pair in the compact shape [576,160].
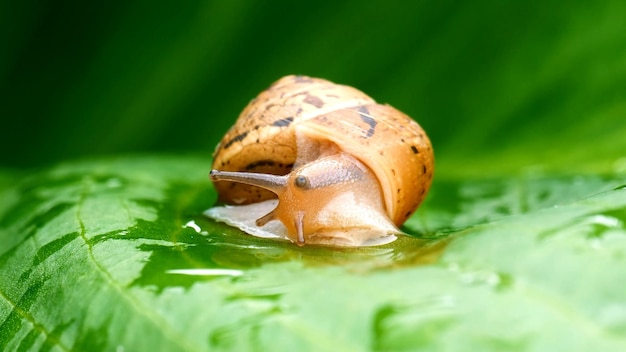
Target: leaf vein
[167,330]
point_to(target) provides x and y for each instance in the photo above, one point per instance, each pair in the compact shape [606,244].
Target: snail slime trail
[315,162]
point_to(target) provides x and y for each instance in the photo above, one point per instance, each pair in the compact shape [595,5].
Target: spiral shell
[299,119]
[263,140]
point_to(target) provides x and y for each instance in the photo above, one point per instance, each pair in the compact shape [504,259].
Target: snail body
[347,171]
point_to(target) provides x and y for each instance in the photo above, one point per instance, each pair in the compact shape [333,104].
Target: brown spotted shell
[389,142]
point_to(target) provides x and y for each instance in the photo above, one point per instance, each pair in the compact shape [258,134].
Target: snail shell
[347,171]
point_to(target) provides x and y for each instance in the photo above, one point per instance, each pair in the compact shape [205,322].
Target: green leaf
[114,254]
[520,244]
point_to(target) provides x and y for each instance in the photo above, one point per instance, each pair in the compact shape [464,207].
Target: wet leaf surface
[519,246]
[114,254]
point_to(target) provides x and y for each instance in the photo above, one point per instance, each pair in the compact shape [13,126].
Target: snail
[316,162]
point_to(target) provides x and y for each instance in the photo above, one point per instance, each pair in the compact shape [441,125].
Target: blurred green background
[499,86]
